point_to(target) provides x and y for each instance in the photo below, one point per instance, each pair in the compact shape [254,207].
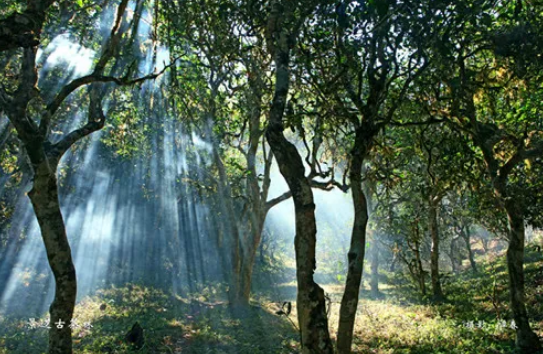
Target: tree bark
[44,198]
[437,291]
[349,302]
[226,206]
[415,248]
[312,318]
[527,341]
[257,210]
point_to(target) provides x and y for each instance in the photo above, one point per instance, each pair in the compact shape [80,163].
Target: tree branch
[432,120]
[92,78]
[273,202]
[96,120]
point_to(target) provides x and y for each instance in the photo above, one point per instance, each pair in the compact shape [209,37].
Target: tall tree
[283,28]
[485,91]
[366,76]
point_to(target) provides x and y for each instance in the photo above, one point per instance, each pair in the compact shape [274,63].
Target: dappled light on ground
[171,324]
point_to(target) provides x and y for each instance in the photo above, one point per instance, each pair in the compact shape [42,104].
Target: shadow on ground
[171,324]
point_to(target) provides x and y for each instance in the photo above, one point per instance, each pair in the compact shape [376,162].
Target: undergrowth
[475,318]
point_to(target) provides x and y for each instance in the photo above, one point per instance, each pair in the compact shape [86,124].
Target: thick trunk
[246,279]
[527,341]
[349,302]
[437,292]
[311,306]
[44,197]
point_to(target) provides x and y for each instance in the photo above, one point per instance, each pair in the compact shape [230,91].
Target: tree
[486,93]
[366,87]
[33,123]
[283,26]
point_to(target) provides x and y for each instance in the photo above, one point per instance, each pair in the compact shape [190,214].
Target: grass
[171,325]
[400,323]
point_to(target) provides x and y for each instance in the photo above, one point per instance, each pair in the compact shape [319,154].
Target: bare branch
[92,78]
[96,120]
[273,202]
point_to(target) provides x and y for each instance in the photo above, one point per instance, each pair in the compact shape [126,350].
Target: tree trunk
[467,238]
[349,302]
[261,250]
[248,264]
[44,197]
[422,282]
[246,279]
[311,306]
[527,341]
[437,292]
[374,282]
[232,240]
[452,255]
[256,197]
[395,257]
[312,316]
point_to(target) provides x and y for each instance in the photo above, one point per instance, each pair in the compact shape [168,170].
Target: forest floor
[474,319]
